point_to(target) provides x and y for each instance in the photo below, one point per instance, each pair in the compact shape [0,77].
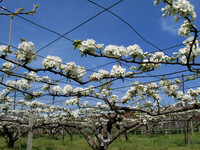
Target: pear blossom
[99,76]
[71,101]
[46,87]
[116,51]
[52,62]
[75,113]
[114,98]
[57,89]
[13,84]
[5,49]
[74,71]
[26,52]
[67,89]
[105,93]
[135,51]
[24,84]
[7,66]
[88,46]
[117,71]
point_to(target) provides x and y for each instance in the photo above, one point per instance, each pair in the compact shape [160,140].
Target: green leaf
[163,78]
[22,40]
[77,44]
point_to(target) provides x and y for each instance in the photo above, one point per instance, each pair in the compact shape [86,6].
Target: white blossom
[57,89]
[88,46]
[114,98]
[105,93]
[4,49]
[24,84]
[116,51]
[67,89]
[52,62]
[99,76]
[46,87]
[73,71]
[13,84]
[117,71]
[7,66]
[71,101]
[26,52]
[75,113]
[135,51]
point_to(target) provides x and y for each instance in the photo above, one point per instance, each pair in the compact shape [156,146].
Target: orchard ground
[136,142]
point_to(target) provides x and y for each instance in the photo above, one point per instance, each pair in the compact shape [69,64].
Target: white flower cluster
[13,84]
[26,52]
[170,88]
[117,71]
[75,113]
[184,52]
[37,93]
[88,46]
[148,103]
[5,101]
[116,51]
[149,89]
[40,107]
[185,29]
[57,89]
[24,84]
[74,71]
[105,93]
[154,60]
[70,69]
[114,98]
[46,87]
[67,90]
[99,76]
[5,49]
[85,104]
[130,94]
[179,7]
[82,91]
[33,77]
[157,56]
[98,104]
[33,104]
[72,101]
[182,8]
[135,51]
[52,62]
[7,66]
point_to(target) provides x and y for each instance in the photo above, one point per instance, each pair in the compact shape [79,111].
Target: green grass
[157,142]
[137,142]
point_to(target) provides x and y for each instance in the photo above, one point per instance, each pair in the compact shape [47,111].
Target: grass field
[137,142]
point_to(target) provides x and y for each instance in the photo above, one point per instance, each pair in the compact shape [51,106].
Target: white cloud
[168,24]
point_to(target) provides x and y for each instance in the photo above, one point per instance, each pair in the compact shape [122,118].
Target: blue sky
[63,15]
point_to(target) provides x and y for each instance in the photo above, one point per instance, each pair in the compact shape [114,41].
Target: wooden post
[19,130]
[15,96]
[30,133]
[53,100]
[95,140]
[183,84]
[63,135]
[191,127]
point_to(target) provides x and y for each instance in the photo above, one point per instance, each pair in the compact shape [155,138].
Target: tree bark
[10,143]
[126,136]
